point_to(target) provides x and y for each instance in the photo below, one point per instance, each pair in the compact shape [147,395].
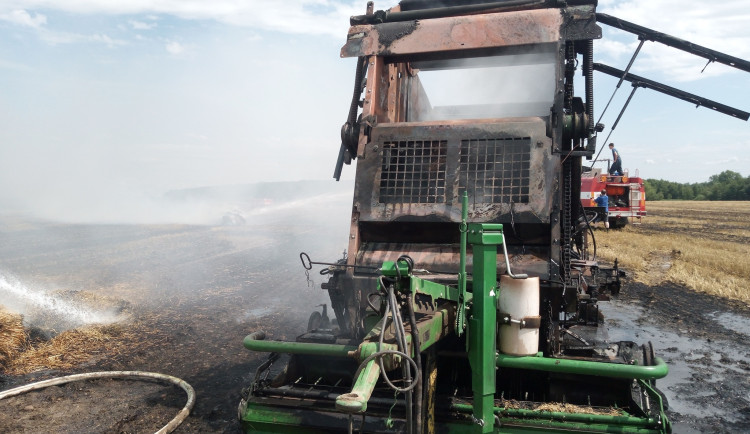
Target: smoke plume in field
[41,307]
[212,205]
[232,248]
[303,202]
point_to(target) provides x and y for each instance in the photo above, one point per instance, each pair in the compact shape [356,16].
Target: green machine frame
[473,313]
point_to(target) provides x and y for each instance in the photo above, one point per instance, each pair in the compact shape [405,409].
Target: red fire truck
[627,197]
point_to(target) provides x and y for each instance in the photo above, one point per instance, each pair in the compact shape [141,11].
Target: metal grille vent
[413,172]
[496,170]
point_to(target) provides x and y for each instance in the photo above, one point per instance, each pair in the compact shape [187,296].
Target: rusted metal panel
[454,33]
[403,176]
[437,258]
[354,237]
[373,104]
[394,91]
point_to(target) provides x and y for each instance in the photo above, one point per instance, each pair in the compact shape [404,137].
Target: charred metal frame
[427,184]
[389,215]
[699,101]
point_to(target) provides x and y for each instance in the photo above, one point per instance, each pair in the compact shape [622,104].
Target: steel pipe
[584,367]
[256,342]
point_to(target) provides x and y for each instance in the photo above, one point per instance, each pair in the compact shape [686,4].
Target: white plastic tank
[518,298]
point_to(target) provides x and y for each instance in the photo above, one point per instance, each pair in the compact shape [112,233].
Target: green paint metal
[583,367]
[533,421]
[332,350]
[484,239]
[482,353]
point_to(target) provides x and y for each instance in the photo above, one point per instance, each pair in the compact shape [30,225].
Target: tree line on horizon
[727,185]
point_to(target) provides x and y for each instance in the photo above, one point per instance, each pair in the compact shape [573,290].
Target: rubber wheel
[617,222]
[314,322]
[430,387]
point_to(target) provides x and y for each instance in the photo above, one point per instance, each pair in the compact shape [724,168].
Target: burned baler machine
[468,300]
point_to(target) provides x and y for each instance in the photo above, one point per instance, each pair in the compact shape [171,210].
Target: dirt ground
[705,340]
[193,292]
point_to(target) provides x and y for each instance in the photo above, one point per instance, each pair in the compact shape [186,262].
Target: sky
[112,103]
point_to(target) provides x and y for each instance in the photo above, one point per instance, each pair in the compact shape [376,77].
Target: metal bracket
[527,322]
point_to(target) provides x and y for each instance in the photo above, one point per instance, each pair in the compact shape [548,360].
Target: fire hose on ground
[169,427]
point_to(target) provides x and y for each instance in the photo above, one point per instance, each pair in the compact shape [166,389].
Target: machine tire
[316,319]
[618,222]
[430,386]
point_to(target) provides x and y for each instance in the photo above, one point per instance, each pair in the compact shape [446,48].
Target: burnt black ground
[706,342]
[198,290]
[194,292]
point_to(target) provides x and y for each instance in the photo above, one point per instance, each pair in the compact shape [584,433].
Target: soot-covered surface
[705,340]
[193,292]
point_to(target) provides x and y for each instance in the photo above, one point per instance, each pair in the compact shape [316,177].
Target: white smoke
[33,302]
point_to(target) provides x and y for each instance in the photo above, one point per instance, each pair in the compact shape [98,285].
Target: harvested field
[12,338]
[68,350]
[180,298]
[704,246]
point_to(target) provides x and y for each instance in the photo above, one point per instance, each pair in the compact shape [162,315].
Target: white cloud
[732,159]
[174,47]
[253,38]
[290,16]
[57,38]
[140,25]
[23,18]
[38,22]
[4,64]
[650,161]
[610,50]
[106,40]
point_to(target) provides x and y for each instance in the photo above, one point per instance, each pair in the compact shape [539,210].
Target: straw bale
[570,408]
[12,336]
[70,349]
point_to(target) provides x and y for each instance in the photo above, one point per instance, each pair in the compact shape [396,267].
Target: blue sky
[110,102]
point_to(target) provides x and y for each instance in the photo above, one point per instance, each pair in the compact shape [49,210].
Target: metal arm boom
[680,44]
[671,91]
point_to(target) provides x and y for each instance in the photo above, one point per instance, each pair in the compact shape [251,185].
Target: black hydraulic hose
[358,75]
[380,355]
[369,301]
[412,384]
[381,338]
[591,231]
[383,374]
[351,119]
[405,369]
[416,345]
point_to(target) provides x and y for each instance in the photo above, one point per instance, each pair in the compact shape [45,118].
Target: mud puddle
[708,356]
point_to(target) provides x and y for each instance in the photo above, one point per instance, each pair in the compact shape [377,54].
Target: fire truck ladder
[635,204]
